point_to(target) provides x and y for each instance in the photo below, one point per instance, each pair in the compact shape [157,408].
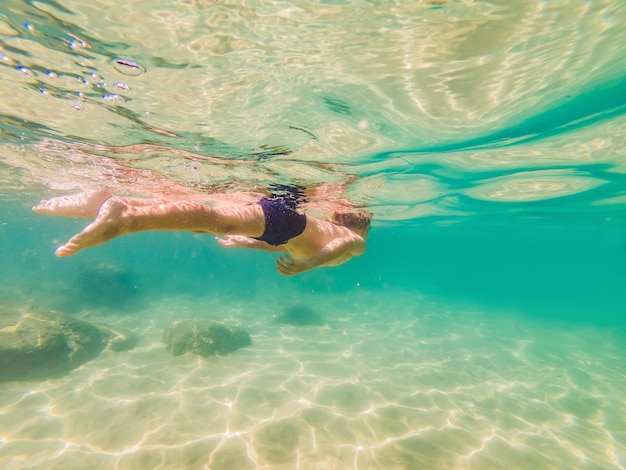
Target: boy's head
[358,222]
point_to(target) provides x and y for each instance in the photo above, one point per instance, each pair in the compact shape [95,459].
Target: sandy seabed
[392,382]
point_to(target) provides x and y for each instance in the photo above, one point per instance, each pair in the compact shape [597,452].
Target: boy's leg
[116,218]
[85,204]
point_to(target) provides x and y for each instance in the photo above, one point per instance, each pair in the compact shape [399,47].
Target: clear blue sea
[483,328]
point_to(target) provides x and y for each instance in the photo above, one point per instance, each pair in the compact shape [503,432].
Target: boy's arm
[240,241]
[334,253]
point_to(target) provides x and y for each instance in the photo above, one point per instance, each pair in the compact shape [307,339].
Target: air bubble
[128,67]
[121,86]
[77,43]
[24,70]
[112,98]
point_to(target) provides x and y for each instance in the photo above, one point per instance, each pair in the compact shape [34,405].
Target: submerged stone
[41,345]
[106,285]
[204,337]
[300,315]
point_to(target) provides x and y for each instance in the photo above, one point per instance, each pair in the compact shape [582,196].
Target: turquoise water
[484,327]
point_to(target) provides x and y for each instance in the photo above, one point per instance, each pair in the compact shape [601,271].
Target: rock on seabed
[41,345]
[300,315]
[204,337]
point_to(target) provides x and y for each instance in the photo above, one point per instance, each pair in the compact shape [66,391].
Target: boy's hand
[287,265]
[233,241]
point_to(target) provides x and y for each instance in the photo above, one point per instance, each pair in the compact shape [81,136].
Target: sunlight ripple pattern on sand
[431,388]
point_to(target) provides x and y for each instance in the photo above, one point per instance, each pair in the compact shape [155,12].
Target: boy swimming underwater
[271,224]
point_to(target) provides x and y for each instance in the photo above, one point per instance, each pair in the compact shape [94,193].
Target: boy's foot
[85,204]
[108,225]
